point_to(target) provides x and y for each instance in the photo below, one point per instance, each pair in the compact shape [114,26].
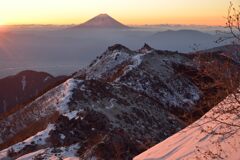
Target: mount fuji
[102,21]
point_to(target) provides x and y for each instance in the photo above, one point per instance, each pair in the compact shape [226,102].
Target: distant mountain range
[23,87]
[102,21]
[124,102]
[183,34]
[185,39]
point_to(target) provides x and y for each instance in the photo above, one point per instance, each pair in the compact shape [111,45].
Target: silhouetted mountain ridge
[22,87]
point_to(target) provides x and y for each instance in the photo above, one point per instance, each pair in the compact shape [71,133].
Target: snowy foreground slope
[215,136]
[119,106]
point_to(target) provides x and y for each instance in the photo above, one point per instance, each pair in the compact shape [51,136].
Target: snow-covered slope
[214,136]
[120,105]
[45,108]
[179,82]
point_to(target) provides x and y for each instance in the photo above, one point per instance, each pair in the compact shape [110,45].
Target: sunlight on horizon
[2,22]
[132,12]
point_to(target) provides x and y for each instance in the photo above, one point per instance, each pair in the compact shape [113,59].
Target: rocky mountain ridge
[120,105]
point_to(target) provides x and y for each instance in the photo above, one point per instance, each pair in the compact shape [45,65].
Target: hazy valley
[65,49]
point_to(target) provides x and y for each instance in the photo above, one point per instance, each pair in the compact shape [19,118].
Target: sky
[130,12]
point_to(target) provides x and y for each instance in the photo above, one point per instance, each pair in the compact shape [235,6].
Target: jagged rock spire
[117,47]
[146,48]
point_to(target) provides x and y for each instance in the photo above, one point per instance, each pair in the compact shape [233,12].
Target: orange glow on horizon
[134,12]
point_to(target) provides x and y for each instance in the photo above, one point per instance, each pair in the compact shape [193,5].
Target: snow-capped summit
[102,21]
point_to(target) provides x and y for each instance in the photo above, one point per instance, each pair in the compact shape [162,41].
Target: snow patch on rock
[31,156]
[60,96]
[73,114]
[65,153]
[24,82]
[46,79]
[136,61]
[39,139]
[106,64]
